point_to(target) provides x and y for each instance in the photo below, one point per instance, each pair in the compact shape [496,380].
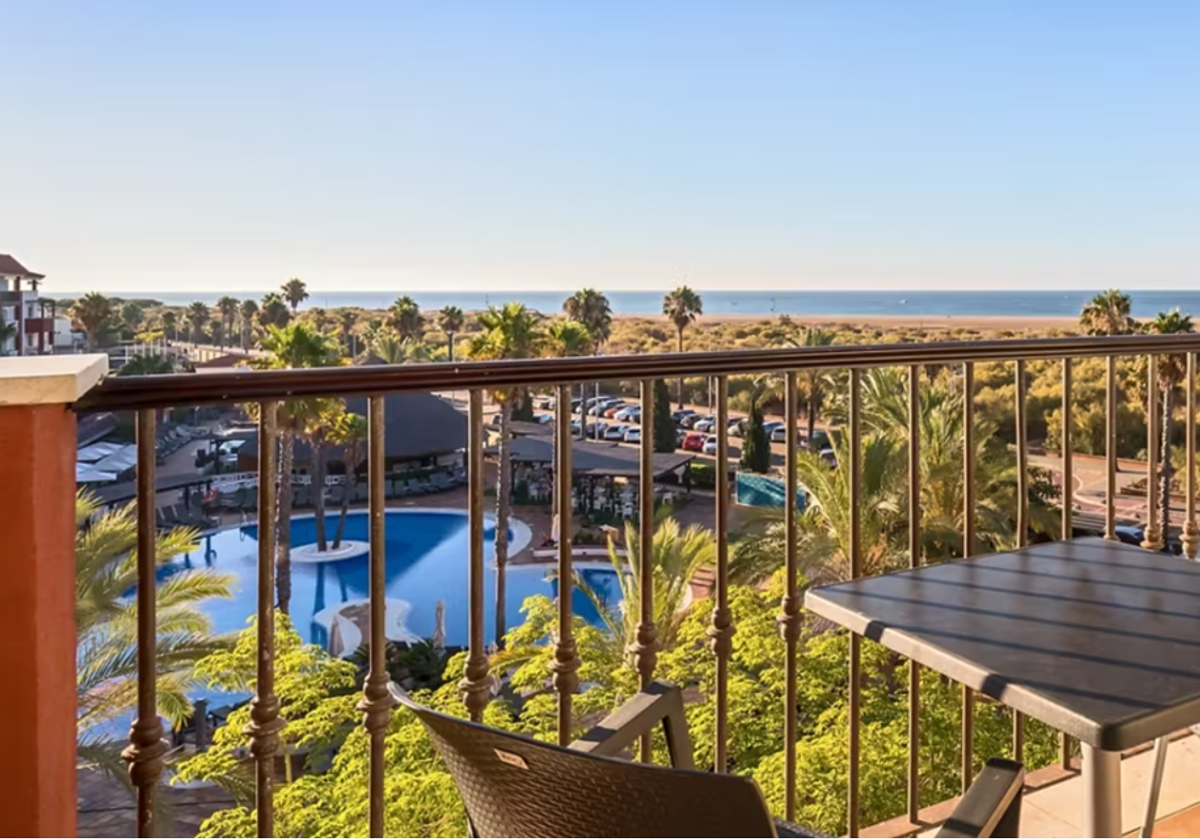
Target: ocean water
[915,304]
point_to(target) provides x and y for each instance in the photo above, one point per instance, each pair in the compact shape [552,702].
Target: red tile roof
[10,266]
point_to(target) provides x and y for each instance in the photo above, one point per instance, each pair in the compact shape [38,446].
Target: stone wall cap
[49,380]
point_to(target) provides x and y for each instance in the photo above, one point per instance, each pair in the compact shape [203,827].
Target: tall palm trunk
[680,329]
[1167,467]
[450,346]
[503,510]
[318,491]
[350,486]
[814,397]
[283,519]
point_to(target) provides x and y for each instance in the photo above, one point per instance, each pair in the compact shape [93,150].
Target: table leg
[1101,792]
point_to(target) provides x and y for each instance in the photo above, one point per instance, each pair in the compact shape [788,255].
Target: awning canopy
[95,451]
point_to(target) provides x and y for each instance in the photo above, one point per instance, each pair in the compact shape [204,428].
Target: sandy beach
[892,322]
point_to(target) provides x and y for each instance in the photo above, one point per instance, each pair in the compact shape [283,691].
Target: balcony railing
[147,394]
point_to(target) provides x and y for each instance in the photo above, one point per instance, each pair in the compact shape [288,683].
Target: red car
[614,408]
[694,441]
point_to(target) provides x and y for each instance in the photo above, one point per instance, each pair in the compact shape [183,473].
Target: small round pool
[426,563]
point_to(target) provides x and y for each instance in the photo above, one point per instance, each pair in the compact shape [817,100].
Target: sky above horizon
[149,146]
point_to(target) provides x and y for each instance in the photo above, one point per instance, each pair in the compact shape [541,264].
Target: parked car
[710,445]
[694,441]
[590,402]
[575,427]
[705,424]
[612,409]
[575,403]
[544,402]
[737,426]
[633,434]
[770,428]
[691,420]
[678,416]
[590,432]
[828,456]
[599,408]
[629,413]
[779,434]
[543,418]
[680,434]
[616,431]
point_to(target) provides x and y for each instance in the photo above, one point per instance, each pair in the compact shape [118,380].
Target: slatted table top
[1098,639]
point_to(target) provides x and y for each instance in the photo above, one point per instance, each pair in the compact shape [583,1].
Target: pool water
[426,562]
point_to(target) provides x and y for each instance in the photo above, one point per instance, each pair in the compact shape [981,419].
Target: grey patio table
[1098,639]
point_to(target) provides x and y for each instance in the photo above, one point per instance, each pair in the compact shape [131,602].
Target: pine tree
[756,454]
[664,426]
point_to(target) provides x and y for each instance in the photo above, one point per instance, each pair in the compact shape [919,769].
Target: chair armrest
[991,807]
[658,702]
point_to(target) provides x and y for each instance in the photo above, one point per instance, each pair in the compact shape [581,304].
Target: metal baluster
[1018,719]
[475,684]
[1191,535]
[968,695]
[721,632]
[377,701]
[855,710]
[1154,536]
[1068,495]
[146,744]
[1110,449]
[566,657]
[914,560]
[645,647]
[789,619]
[265,722]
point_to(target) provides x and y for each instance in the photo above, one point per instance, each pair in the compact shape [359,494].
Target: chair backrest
[514,786]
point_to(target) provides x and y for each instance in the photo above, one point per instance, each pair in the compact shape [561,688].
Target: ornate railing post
[475,685]
[1191,535]
[721,631]
[790,620]
[566,657]
[645,647]
[1154,535]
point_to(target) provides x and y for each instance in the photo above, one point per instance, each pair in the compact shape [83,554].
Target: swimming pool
[426,562]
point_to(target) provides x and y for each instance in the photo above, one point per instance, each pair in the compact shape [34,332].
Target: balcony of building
[41,401]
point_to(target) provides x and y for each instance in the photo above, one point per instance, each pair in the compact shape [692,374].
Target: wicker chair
[513,786]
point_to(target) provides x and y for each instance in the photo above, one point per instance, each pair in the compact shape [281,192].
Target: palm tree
[350,433]
[509,332]
[319,317]
[407,319]
[298,345]
[106,627]
[169,321]
[94,312]
[197,317]
[813,337]
[8,332]
[567,339]
[1107,314]
[391,349]
[317,426]
[592,309]
[346,319]
[452,320]
[216,329]
[682,307]
[246,312]
[273,312]
[228,307]
[1170,372]
[294,292]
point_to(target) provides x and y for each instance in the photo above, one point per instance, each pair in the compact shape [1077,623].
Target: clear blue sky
[179,145]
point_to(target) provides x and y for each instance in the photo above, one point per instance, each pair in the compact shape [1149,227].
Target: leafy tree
[756,453]
[319,318]
[568,338]
[131,315]
[145,366]
[452,320]
[169,322]
[509,332]
[297,345]
[273,312]
[216,329]
[294,292]
[664,426]
[350,433]
[682,306]
[592,309]
[1170,371]
[106,626]
[94,312]
[197,316]
[228,307]
[407,319]
[247,311]
[1108,313]
[388,347]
